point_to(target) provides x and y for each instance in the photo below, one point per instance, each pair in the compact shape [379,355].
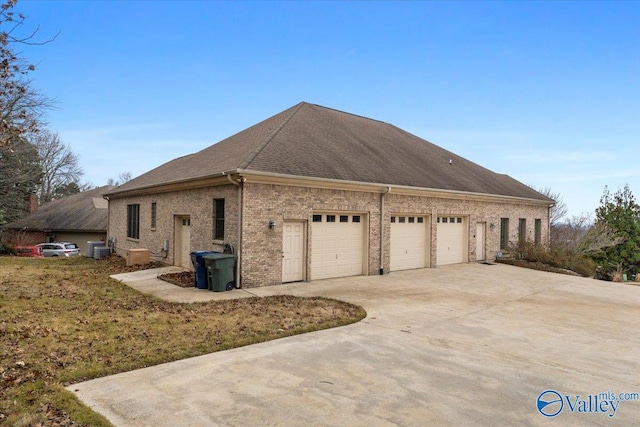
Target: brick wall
[262,247]
[195,204]
[474,212]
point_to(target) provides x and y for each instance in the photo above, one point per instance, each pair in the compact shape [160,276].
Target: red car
[29,251]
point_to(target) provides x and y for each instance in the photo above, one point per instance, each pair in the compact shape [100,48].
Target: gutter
[205,181]
[104,196]
[382,197]
[380,187]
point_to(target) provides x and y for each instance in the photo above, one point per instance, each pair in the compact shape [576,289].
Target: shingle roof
[313,141]
[86,211]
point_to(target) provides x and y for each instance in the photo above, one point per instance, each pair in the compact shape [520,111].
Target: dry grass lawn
[64,321]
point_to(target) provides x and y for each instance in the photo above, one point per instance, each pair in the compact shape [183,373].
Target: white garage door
[408,242]
[337,245]
[452,232]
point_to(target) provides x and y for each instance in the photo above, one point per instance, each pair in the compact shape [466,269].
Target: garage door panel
[451,247]
[337,247]
[408,243]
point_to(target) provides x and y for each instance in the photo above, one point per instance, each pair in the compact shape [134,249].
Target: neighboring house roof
[82,212]
[309,140]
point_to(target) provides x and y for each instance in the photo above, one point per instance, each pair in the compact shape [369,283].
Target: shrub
[583,266]
[7,249]
[557,258]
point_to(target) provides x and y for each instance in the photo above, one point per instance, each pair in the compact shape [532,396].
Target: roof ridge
[351,114]
[269,138]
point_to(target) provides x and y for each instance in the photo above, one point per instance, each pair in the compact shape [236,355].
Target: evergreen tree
[20,175]
[621,213]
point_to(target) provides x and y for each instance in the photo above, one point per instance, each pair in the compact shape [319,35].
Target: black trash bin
[200,276]
[220,271]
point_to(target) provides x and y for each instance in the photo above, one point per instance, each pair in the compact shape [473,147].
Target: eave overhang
[336,184]
[260,177]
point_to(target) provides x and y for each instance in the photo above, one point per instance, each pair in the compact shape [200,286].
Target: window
[402,219]
[331,218]
[459,220]
[420,220]
[522,231]
[218,219]
[452,220]
[538,232]
[344,218]
[355,218]
[393,219]
[317,218]
[412,219]
[504,234]
[153,215]
[133,221]
[444,220]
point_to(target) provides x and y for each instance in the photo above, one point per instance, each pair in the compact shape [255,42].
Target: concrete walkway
[459,345]
[146,281]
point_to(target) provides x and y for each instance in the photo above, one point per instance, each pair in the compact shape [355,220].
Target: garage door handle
[336,256]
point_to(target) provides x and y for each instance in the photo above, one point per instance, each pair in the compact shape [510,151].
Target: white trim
[260,177]
[325,183]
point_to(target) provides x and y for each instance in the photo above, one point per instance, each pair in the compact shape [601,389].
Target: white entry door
[452,240]
[293,251]
[480,241]
[337,245]
[408,242]
[183,242]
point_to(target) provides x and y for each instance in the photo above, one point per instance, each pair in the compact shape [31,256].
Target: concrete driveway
[466,344]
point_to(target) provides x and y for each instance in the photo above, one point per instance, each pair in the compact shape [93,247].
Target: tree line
[606,246]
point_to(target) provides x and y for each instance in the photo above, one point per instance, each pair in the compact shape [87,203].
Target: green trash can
[220,271]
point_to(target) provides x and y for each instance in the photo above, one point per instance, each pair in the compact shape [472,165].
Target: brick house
[314,193]
[77,218]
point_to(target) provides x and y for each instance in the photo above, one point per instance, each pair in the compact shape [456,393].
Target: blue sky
[547,92]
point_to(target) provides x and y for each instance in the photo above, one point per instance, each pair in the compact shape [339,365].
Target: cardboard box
[138,256]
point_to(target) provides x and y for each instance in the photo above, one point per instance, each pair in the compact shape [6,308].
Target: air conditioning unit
[91,245]
[100,252]
[138,256]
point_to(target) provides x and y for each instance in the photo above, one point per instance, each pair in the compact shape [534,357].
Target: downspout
[239,236]
[387,191]
[108,216]
[549,225]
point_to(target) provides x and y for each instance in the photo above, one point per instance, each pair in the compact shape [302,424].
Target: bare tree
[122,178]
[567,235]
[21,106]
[61,172]
[599,237]
[559,210]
